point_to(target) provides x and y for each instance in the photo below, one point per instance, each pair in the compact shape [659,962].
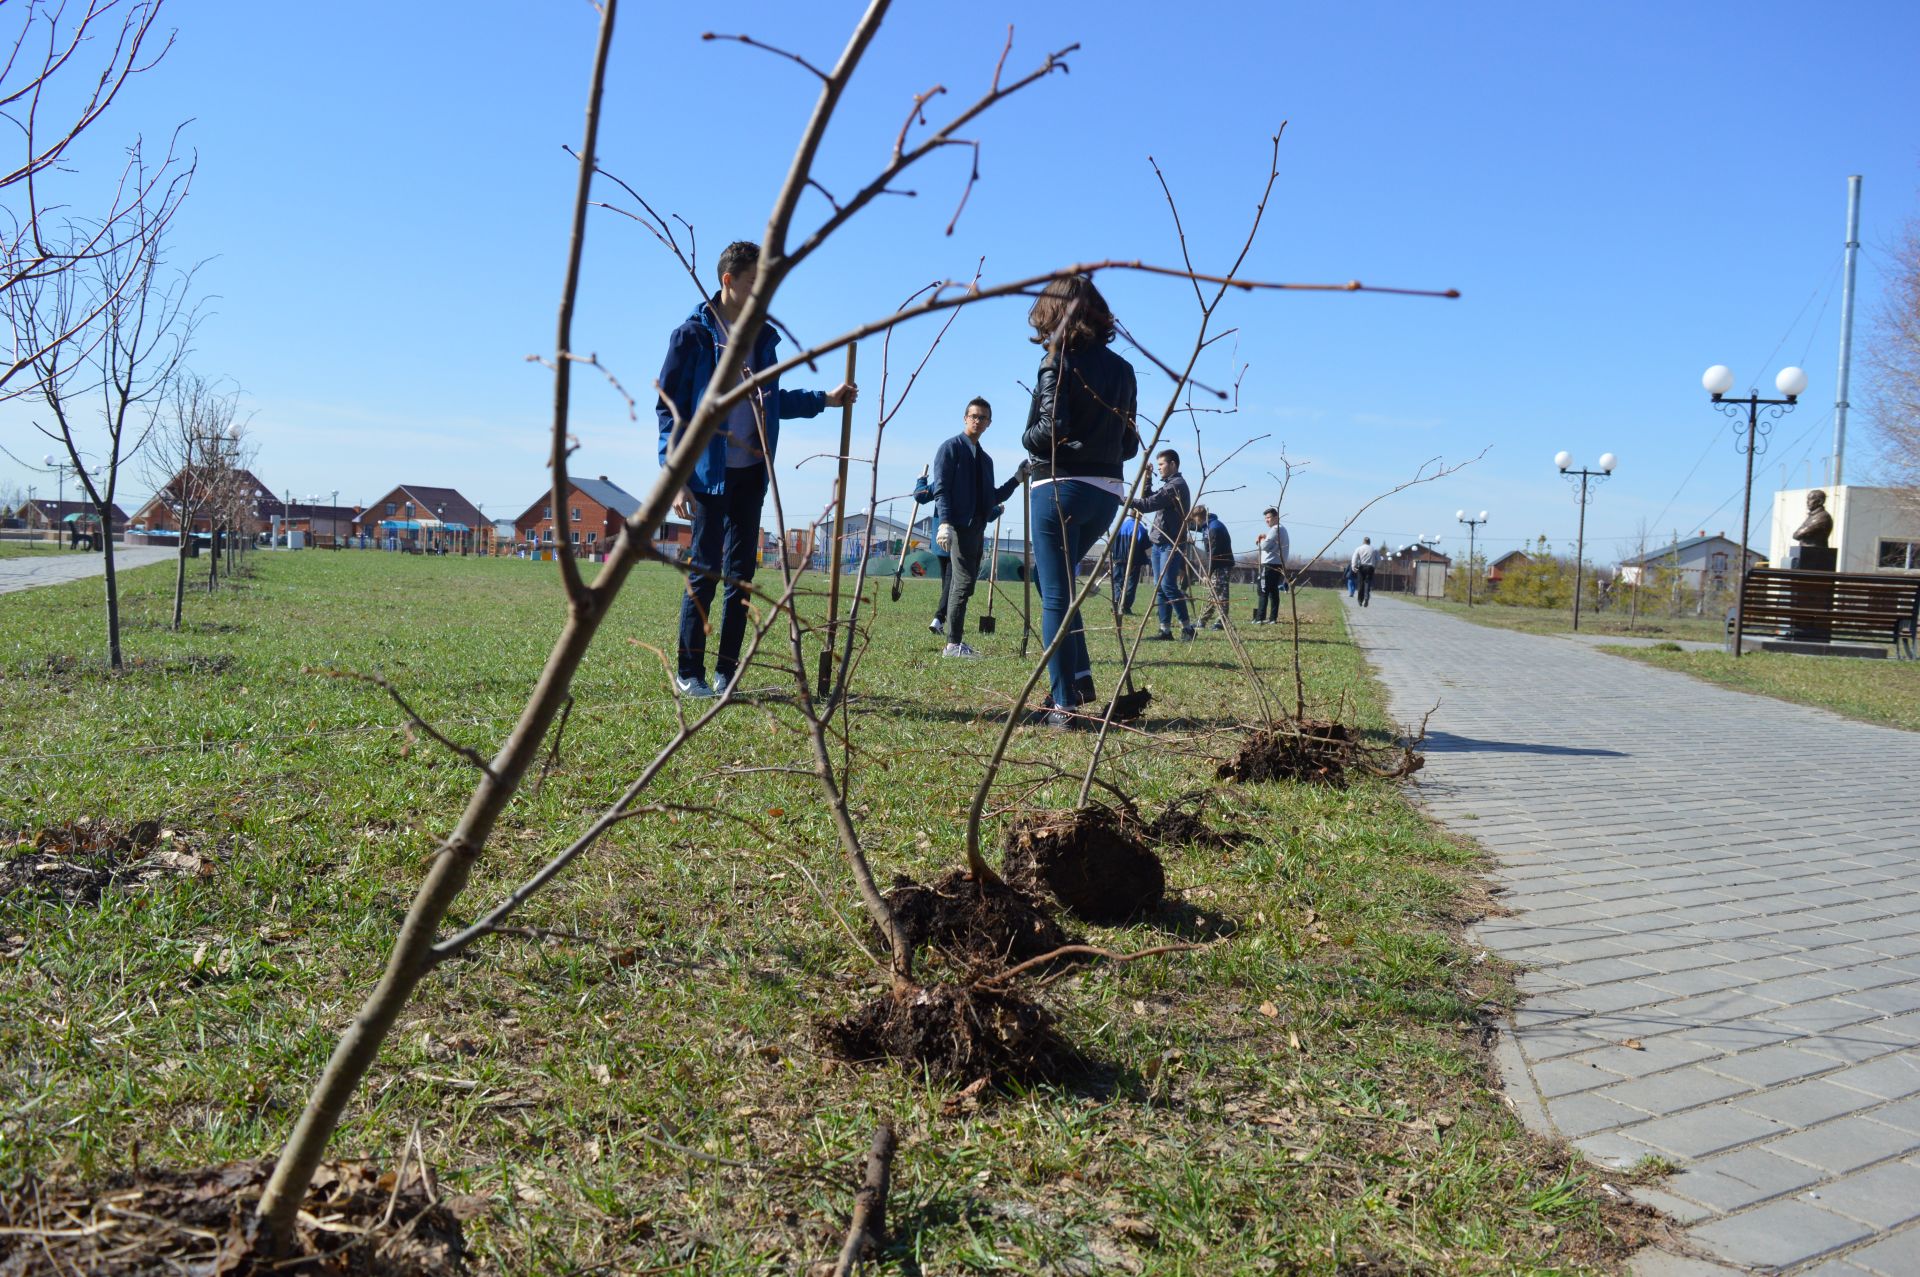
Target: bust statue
[1818,525]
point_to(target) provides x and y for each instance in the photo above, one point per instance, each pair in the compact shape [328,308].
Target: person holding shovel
[723,497]
[1169,506]
[1080,435]
[965,501]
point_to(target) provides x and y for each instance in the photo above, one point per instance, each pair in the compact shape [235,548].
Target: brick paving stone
[1761,943]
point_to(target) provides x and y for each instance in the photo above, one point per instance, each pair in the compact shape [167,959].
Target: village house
[1692,563]
[595,512]
[61,517]
[158,520]
[421,519]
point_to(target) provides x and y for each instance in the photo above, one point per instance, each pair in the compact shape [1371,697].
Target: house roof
[446,504]
[609,494]
[57,511]
[1509,557]
[1686,544]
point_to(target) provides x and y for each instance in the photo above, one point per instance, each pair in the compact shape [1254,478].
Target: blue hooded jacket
[693,352]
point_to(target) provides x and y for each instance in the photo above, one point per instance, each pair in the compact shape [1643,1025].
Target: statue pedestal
[1812,595]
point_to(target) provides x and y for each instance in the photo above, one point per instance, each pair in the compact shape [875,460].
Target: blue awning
[455,527]
[402,525]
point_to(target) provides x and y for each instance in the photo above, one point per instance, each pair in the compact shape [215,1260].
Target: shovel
[906,548]
[987,623]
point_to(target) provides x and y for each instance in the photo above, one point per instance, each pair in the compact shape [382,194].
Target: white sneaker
[962,651]
[937,625]
[694,688]
[718,684]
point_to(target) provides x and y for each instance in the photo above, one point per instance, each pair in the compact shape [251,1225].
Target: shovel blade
[987,624]
[1131,705]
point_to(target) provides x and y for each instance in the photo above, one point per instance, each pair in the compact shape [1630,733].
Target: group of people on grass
[1079,436]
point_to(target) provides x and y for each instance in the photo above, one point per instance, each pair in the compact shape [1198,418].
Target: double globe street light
[1473,526]
[1718,380]
[1564,460]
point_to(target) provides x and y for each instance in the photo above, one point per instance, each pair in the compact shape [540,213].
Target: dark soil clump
[1318,752]
[75,863]
[1181,825]
[196,1221]
[986,927]
[958,1033]
[1091,860]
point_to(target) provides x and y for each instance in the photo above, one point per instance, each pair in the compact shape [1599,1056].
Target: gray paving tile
[1844,1144]
[1682,1089]
[1806,1103]
[1741,1178]
[1708,1130]
[1895,1256]
[1779,1234]
[1883,1196]
[1890,1077]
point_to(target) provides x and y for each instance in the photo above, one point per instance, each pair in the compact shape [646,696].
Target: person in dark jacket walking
[1128,557]
[1170,507]
[1080,434]
[1219,551]
[965,500]
[723,498]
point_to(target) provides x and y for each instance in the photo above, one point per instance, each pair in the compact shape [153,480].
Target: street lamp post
[1564,460]
[60,469]
[1473,525]
[1717,381]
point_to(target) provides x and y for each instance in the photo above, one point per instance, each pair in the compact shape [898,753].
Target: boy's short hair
[1170,455]
[1272,511]
[1198,513]
[982,405]
[741,253]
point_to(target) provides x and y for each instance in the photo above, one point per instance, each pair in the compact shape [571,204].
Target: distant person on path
[965,501]
[723,497]
[1364,560]
[1272,546]
[1170,507]
[1079,437]
[1219,551]
[1129,556]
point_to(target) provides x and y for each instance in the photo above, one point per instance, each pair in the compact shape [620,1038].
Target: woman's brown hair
[1074,308]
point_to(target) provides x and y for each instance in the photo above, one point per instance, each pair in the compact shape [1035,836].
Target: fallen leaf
[1634,1044]
[1269,1010]
[1293,1040]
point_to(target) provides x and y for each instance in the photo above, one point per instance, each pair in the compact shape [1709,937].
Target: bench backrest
[1844,603]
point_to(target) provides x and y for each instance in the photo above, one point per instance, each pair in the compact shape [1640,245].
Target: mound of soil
[1091,860]
[163,1221]
[1318,752]
[958,1033]
[75,863]
[988,927]
[1181,825]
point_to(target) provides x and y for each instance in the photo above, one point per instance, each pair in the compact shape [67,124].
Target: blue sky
[1623,194]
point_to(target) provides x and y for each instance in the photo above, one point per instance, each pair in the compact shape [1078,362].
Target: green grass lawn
[1310,1094]
[23,549]
[1884,691]
[1540,620]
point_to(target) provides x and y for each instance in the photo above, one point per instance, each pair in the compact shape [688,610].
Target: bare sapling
[185,455]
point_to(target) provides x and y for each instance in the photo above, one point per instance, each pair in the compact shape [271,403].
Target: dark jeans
[968,544]
[1267,606]
[1066,518]
[1366,585]
[726,542]
[946,584]
[1130,559]
[1169,581]
[1220,583]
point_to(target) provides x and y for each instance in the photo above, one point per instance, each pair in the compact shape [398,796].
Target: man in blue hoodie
[1218,544]
[723,498]
[1128,559]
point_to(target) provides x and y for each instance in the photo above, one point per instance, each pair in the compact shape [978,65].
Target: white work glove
[944,537]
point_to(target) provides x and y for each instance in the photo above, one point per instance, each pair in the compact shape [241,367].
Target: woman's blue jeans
[1067,517]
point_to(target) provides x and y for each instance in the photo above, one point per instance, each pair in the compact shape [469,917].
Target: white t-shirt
[1366,556]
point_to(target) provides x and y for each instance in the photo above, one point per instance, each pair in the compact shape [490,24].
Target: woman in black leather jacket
[1080,434]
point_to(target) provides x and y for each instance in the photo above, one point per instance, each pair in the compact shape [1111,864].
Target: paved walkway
[52,567]
[1718,898]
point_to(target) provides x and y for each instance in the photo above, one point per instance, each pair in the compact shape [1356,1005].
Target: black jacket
[1169,508]
[1219,544]
[963,491]
[1080,424]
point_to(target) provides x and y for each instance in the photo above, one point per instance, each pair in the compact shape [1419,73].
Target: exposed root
[1180,824]
[957,1033]
[166,1221]
[1091,860]
[979,926]
[1321,752]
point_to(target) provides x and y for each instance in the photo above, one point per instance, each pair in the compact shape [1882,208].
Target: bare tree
[63,68]
[113,327]
[1893,365]
[187,455]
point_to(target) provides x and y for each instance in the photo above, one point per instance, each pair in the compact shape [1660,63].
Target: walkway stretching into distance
[1717,897]
[55,567]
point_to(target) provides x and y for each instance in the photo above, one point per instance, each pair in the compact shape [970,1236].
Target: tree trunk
[113,595]
[180,578]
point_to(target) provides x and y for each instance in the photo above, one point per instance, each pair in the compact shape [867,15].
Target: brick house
[595,511]
[156,517]
[417,517]
[42,515]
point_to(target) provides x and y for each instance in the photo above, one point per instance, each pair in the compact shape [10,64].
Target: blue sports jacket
[693,352]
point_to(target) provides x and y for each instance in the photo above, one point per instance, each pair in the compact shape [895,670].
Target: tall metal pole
[1846,338]
[1471,529]
[1746,513]
[825,681]
[1580,551]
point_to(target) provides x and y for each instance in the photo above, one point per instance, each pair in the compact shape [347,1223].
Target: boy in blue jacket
[965,501]
[729,485]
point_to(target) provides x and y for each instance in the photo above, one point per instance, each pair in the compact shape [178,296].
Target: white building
[1874,529]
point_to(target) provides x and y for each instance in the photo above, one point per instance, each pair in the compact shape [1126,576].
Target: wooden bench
[1786,605]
